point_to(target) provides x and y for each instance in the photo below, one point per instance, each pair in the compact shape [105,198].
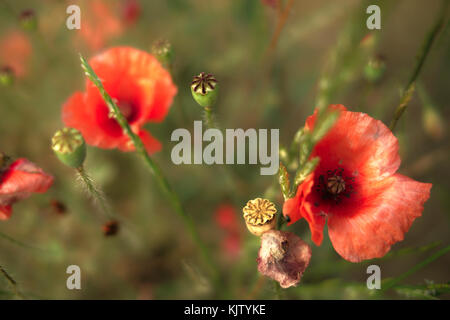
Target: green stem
[19,243]
[209,118]
[416,268]
[154,168]
[426,47]
[12,283]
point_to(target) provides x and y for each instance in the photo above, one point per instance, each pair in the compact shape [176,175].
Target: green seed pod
[6,76]
[204,89]
[162,50]
[28,19]
[69,146]
[374,69]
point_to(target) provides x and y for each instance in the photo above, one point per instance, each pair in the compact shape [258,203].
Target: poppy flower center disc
[334,186]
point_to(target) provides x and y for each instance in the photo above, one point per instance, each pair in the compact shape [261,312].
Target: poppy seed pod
[204,88]
[260,216]
[69,146]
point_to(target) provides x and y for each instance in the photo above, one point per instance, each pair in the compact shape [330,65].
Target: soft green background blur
[153,256]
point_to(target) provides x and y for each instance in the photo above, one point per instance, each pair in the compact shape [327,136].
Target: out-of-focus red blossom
[15,51]
[227,218]
[19,181]
[142,89]
[99,23]
[368,205]
[283,256]
[270,3]
[131,10]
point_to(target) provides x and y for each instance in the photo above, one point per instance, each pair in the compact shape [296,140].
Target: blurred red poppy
[140,86]
[227,219]
[131,10]
[368,205]
[100,23]
[15,51]
[19,181]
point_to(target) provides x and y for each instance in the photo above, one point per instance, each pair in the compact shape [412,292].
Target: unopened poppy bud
[28,19]
[432,122]
[110,228]
[260,216]
[204,89]
[6,76]
[69,146]
[374,69]
[162,50]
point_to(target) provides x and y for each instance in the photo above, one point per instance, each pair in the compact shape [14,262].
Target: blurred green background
[320,55]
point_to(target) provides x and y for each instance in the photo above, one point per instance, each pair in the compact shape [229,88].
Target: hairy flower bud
[69,146]
[162,50]
[260,216]
[374,69]
[28,19]
[6,76]
[283,257]
[204,88]
[432,122]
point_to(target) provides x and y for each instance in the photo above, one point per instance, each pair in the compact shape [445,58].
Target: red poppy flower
[19,181]
[368,205]
[142,89]
[15,51]
[131,10]
[227,219]
[100,23]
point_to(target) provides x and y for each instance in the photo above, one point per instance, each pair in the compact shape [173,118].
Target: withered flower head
[283,256]
[260,216]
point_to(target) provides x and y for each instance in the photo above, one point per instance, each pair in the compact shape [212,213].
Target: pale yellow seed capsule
[259,215]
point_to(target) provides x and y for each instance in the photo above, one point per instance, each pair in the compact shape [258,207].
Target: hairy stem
[93,191]
[154,169]
[426,47]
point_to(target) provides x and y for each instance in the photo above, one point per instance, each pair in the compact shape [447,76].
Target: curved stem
[427,44]
[154,169]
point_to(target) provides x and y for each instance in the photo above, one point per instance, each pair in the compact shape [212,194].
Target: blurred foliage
[320,58]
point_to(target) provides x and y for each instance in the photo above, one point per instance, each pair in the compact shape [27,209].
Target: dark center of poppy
[128,110]
[334,185]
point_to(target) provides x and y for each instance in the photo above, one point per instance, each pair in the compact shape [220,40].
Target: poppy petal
[382,220]
[5,212]
[151,144]
[362,143]
[20,180]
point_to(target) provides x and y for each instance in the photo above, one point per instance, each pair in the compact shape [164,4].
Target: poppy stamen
[334,184]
